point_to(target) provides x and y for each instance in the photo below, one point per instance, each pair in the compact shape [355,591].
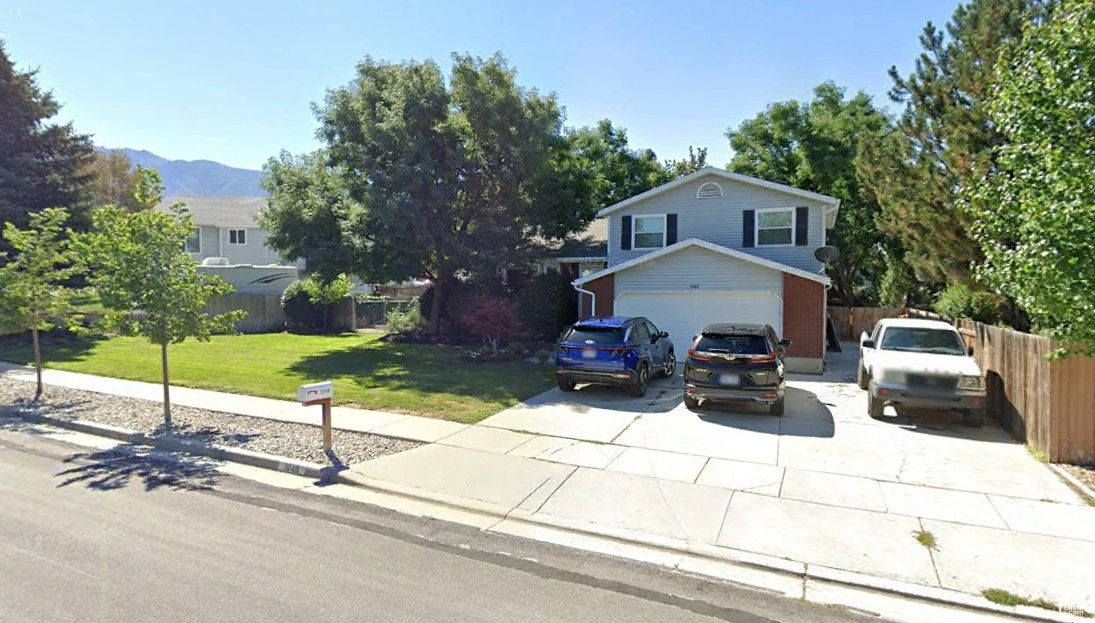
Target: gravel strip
[296,441]
[1083,473]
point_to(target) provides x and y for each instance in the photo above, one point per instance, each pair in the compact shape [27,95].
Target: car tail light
[698,356]
[764,359]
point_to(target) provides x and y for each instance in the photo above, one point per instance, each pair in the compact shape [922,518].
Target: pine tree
[42,164]
[944,139]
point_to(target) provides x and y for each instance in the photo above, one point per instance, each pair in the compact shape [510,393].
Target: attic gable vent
[709,190]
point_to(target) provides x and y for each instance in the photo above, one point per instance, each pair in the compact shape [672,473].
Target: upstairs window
[237,236]
[194,242]
[649,232]
[775,227]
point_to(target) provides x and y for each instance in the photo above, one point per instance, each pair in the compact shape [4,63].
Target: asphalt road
[98,537]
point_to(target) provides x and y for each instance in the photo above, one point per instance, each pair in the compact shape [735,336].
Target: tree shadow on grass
[55,348]
[115,469]
[425,368]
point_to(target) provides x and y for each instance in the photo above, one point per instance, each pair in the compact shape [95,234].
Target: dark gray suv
[736,362]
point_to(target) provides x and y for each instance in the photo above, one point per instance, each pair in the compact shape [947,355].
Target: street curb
[1063,473]
[662,545]
[174,444]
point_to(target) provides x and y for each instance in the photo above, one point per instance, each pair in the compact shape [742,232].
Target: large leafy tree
[621,172]
[42,164]
[113,181]
[33,292]
[943,139]
[1035,210]
[310,214]
[815,146]
[434,177]
[146,280]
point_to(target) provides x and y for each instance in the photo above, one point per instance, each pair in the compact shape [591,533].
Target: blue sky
[233,81]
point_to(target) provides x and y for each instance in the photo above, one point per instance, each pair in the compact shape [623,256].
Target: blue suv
[614,351]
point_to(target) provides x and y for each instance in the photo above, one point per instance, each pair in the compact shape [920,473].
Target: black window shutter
[670,229]
[625,235]
[748,228]
[802,226]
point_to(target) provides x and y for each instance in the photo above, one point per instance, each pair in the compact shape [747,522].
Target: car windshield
[732,344]
[923,340]
[595,335]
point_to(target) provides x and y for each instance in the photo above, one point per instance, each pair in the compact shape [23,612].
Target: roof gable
[717,173]
[710,246]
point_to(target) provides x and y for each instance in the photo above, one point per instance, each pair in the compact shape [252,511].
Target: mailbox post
[319,394]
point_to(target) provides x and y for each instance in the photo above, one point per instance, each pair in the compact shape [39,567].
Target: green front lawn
[405,378]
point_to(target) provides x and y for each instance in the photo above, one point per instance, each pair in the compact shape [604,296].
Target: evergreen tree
[944,139]
[42,164]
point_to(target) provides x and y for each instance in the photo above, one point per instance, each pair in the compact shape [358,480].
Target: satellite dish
[827,254]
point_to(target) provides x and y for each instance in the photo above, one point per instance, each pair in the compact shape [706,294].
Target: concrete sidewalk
[415,428]
[730,486]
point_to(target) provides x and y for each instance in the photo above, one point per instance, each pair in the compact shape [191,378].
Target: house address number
[693,286]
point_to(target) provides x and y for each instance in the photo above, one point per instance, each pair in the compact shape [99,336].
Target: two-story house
[718,246]
[227,227]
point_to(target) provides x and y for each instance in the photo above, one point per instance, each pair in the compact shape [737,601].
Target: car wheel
[642,381]
[691,403]
[566,385]
[875,407]
[670,365]
[861,378]
[973,417]
[777,407]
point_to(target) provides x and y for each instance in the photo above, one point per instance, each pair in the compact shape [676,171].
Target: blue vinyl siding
[719,220]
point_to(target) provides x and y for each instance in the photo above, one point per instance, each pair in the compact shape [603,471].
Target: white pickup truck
[923,364]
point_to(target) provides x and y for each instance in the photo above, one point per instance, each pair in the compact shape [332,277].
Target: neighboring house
[227,227]
[718,246]
[582,254]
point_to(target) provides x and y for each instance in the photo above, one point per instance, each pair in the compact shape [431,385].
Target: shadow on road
[116,469]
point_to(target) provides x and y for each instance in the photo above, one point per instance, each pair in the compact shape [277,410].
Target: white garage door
[683,314]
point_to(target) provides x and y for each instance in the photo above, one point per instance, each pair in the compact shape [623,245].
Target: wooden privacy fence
[265,315]
[264,312]
[851,321]
[1047,404]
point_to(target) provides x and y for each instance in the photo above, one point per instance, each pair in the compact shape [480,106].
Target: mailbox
[315,392]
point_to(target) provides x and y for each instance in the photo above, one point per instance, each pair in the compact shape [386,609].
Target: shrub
[546,304]
[961,301]
[307,303]
[461,294]
[492,319]
[403,320]
[300,312]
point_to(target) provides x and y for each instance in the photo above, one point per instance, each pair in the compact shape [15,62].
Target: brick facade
[605,289]
[804,316]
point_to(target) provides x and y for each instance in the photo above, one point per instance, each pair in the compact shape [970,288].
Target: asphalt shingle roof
[235,212]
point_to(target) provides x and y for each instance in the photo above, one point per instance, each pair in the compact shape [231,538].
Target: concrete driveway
[825,448]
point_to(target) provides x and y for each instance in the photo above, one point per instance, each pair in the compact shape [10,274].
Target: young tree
[436,178]
[1035,210]
[42,164]
[943,139]
[815,146]
[147,281]
[33,294]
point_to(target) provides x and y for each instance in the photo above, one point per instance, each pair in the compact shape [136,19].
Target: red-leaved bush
[492,319]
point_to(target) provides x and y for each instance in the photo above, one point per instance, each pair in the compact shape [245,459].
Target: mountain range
[197,178]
